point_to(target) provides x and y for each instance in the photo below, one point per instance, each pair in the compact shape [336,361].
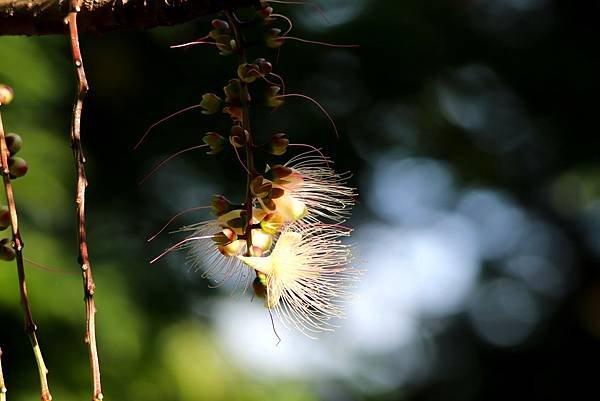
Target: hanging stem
[251,170]
[2,385]
[86,267]
[30,327]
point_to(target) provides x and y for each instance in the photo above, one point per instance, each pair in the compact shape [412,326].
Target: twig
[2,386]
[30,327]
[86,267]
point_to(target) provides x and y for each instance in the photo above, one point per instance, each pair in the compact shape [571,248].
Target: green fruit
[7,252]
[17,167]
[14,143]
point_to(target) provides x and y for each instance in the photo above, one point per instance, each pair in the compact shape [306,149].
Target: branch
[46,17]
[86,268]
[18,244]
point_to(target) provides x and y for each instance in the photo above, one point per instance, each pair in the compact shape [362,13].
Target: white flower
[315,184]
[218,261]
[307,275]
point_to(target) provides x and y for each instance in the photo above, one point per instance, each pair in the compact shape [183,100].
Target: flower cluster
[295,254]
[286,237]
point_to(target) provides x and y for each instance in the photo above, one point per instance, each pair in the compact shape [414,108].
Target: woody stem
[244,95]
[89,286]
[30,327]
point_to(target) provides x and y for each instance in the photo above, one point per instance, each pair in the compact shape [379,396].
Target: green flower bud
[221,205]
[235,113]
[248,72]
[225,43]
[239,137]
[4,217]
[220,239]
[277,172]
[259,187]
[214,141]
[278,144]
[211,103]
[7,252]
[272,223]
[233,90]
[17,167]
[273,98]
[265,12]
[6,94]
[273,38]
[14,143]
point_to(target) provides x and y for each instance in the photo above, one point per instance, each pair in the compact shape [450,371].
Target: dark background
[471,129]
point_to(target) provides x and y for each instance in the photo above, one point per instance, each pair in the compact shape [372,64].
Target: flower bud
[273,98]
[214,141]
[211,103]
[221,239]
[233,91]
[239,137]
[265,12]
[7,252]
[220,24]
[235,113]
[268,204]
[264,66]
[248,72]
[221,205]
[232,249]
[230,234]
[4,217]
[277,172]
[273,38]
[14,143]
[262,239]
[272,223]
[225,44]
[278,144]
[17,167]
[259,187]
[6,94]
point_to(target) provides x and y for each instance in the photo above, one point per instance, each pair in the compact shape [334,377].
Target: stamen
[162,120]
[174,217]
[159,165]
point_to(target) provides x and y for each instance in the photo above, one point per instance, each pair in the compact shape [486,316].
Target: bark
[46,17]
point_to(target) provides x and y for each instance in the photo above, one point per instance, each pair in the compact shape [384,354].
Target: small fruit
[17,166]
[7,252]
[6,94]
[14,143]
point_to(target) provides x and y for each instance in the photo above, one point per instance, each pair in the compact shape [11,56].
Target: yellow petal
[290,208]
[262,239]
[263,264]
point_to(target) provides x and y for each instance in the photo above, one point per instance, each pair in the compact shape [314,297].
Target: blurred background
[470,127]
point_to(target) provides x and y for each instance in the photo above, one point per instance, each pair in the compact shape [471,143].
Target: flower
[313,190]
[216,247]
[307,275]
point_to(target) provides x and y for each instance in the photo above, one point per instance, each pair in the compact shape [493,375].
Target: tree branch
[46,17]
[30,327]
